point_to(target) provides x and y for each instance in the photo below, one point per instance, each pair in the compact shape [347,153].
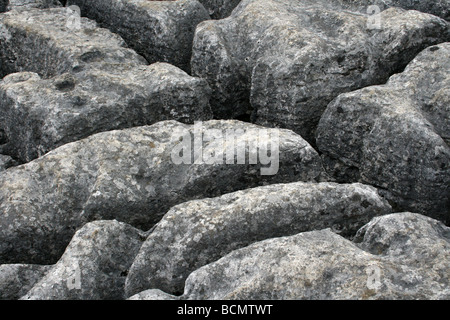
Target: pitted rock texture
[161,31]
[196,233]
[94,265]
[30,4]
[219,9]
[17,279]
[129,175]
[89,83]
[283,61]
[401,256]
[396,136]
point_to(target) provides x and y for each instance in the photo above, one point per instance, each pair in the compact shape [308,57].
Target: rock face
[161,31]
[133,176]
[17,279]
[3,5]
[283,61]
[396,136]
[219,9]
[440,8]
[6,162]
[399,256]
[94,265]
[29,4]
[89,83]
[196,233]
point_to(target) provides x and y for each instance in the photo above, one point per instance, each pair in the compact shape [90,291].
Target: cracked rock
[133,175]
[94,265]
[81,81]
[396,136]
[161,31]
[280,62]
[322,265]
[220,9]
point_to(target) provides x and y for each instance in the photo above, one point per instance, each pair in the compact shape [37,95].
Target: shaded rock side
[280,62]
[89,83]
[396,136]
[94,265]
[196,233]
[31,4]
[161,31]
[323,265]
[219,9]
[17,279]
[133,176]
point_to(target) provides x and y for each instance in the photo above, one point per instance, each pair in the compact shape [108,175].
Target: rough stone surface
[6,162]
[30,4]
[128,175]
[152,294]
[3,5]
[89,83]
[17,279]
[283,61]
[439,8]
[159,30]
[94,265]
[396,136]
[402,256]
[196,233]
[219,9]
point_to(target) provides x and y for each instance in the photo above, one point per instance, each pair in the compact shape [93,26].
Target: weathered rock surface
[30,4]
[89,83]
[196,233]
[6,162]
[440,8]
[152,294]
[17,279]
[161,31]
[409,258]
[396,136]
[283,61]
[94,265]
[219,9]
[130,175]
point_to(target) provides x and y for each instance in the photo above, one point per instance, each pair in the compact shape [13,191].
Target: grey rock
[396,136]
[196,233]
[219,9]
[323,265]
[17,279]
[439,8]
[161,31]
[29,4]
[282,61]
[6,162]
[88,82]
[129,175]
[152,294]
[94,265]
